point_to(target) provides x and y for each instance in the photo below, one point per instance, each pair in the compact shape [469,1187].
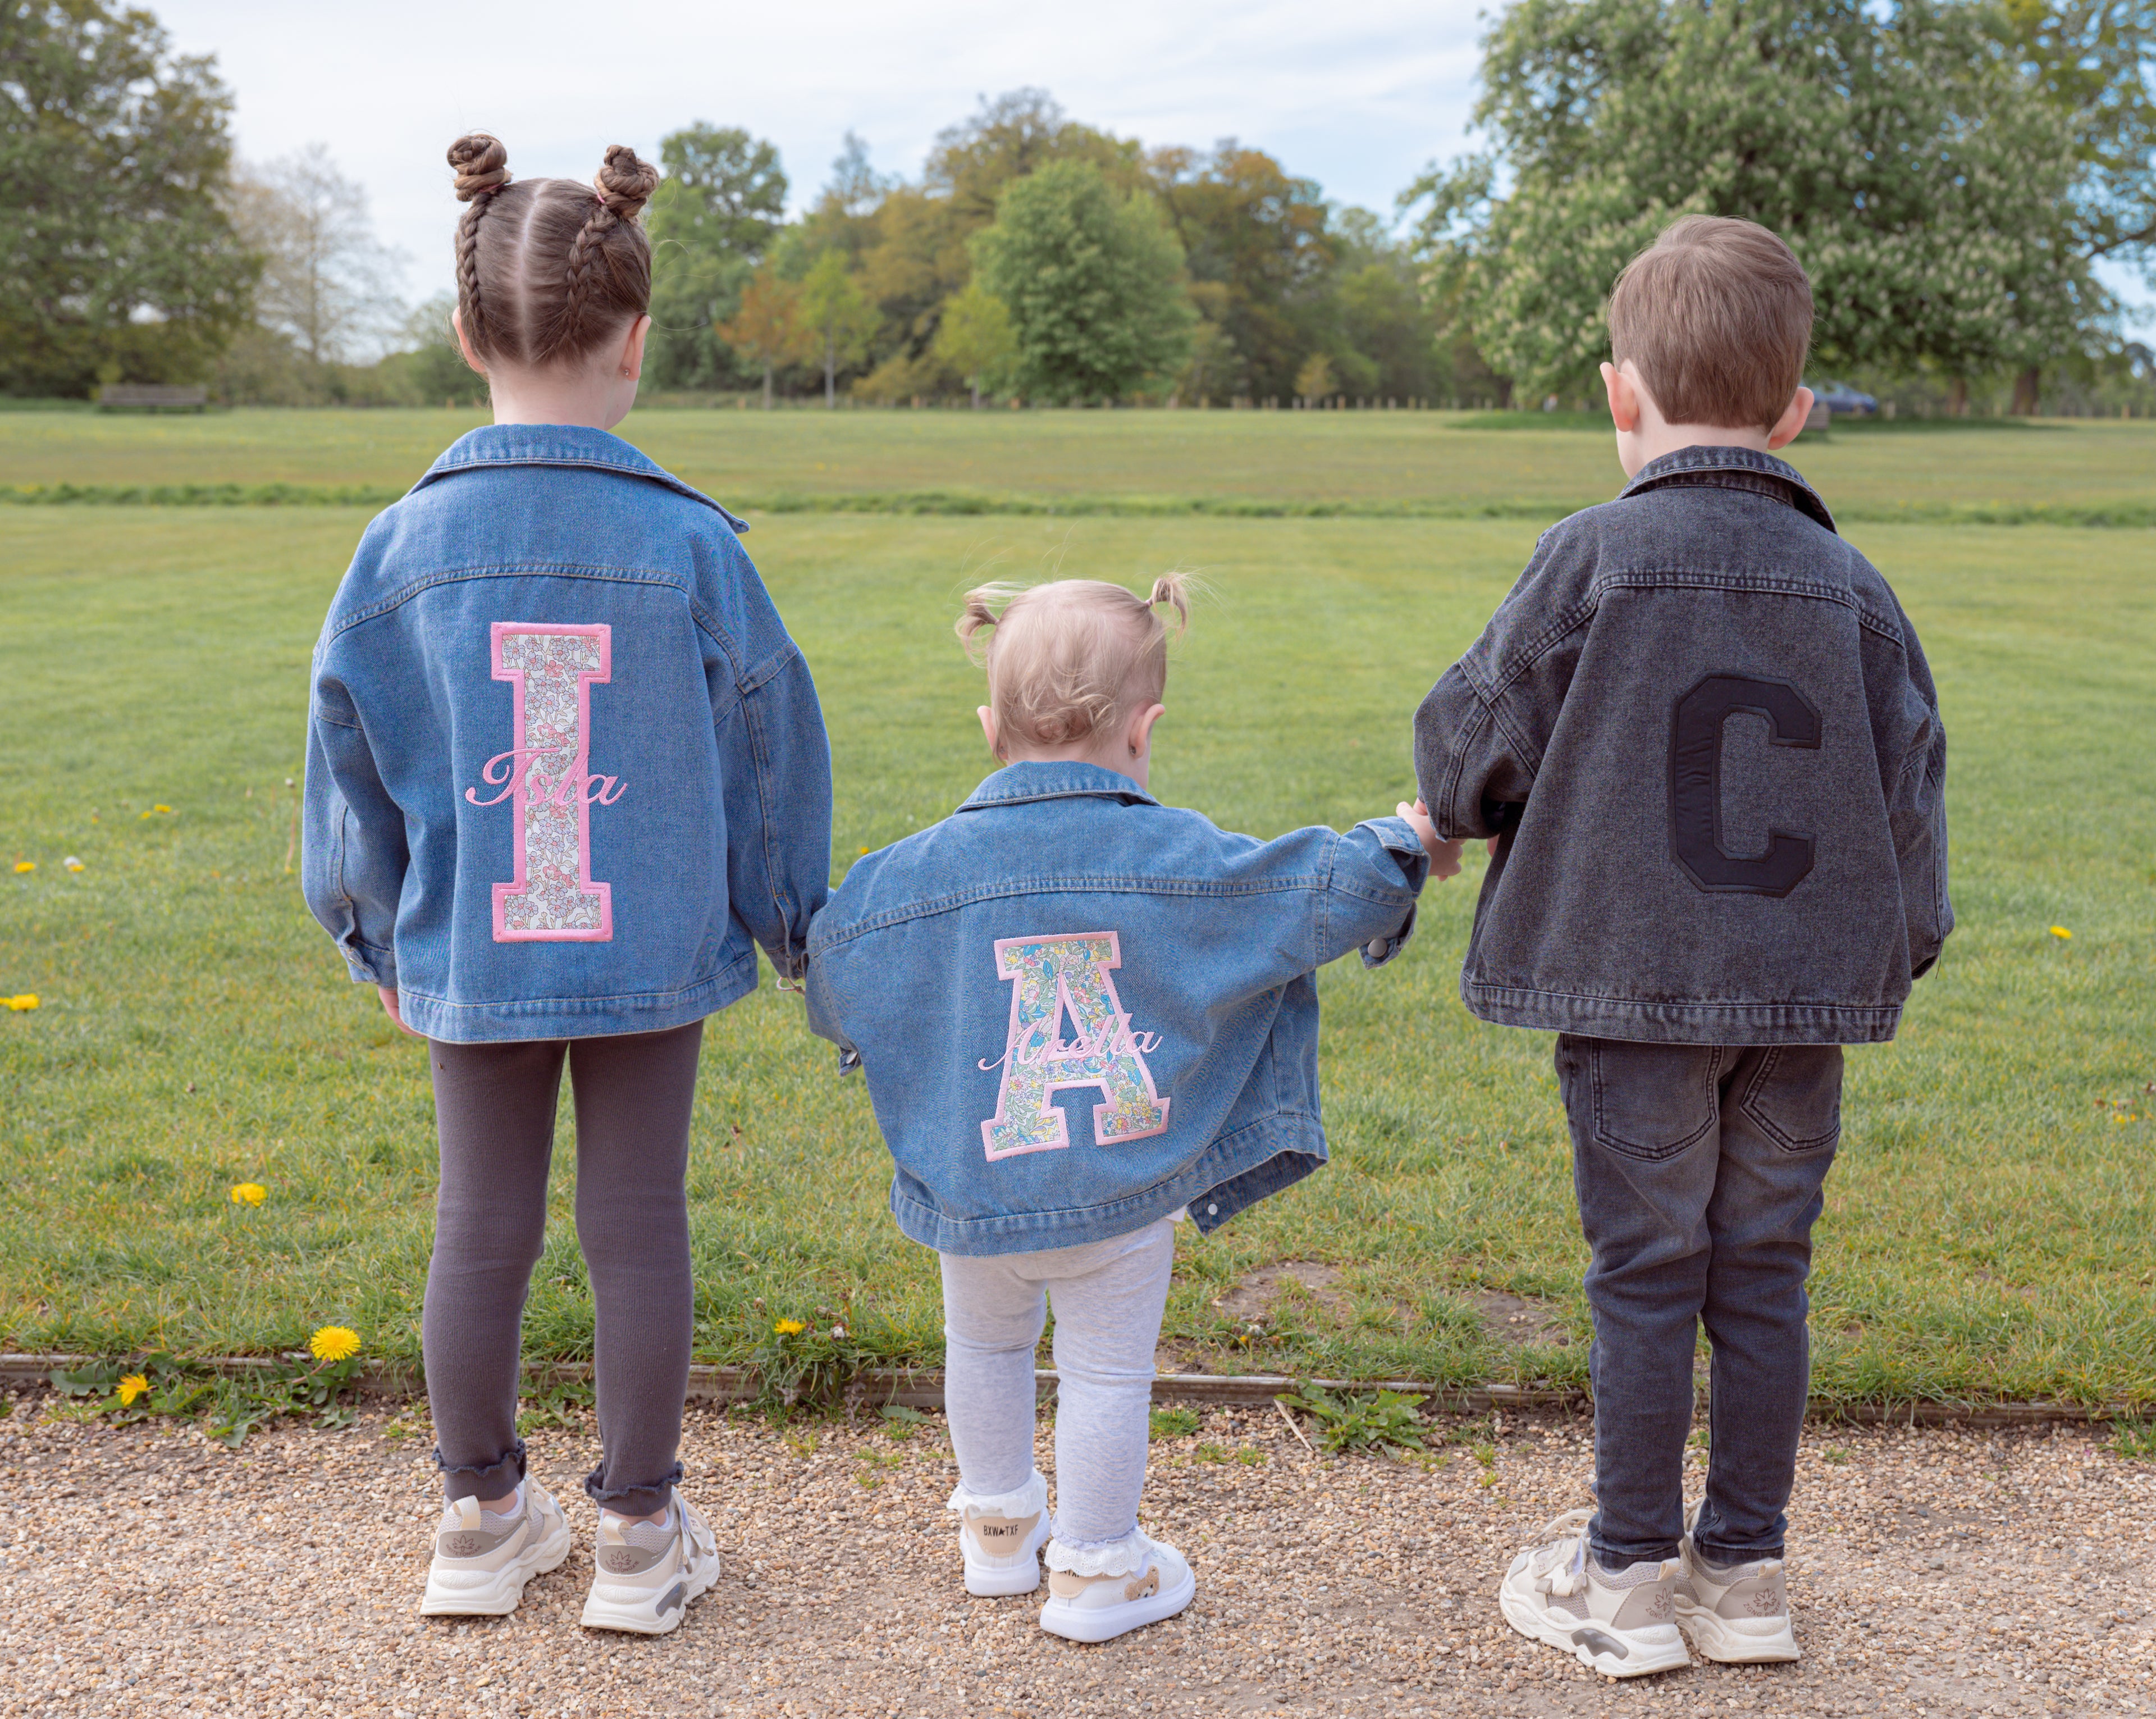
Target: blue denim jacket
[565,767]
[1080,1010]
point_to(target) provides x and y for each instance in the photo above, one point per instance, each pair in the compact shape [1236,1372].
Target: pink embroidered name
[545,777]
[1051,977]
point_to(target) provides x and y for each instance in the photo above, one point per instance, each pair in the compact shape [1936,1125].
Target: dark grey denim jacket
[1706,733]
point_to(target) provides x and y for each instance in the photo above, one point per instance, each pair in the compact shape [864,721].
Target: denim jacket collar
[1061,778]
[1733,469]
[496,445]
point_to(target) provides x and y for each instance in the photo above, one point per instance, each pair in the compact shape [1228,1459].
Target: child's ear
[1623,399]
[1791,423]
[1141,730]
[988,729]
[463,340]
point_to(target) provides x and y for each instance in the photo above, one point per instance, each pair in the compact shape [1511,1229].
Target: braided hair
[559,269]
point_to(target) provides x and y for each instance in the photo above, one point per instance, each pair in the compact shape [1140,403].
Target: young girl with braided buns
[565,773]
[1081,1014]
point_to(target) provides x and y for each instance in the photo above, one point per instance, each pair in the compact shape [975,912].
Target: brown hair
[1074,658]
[1716,317]
[548,269]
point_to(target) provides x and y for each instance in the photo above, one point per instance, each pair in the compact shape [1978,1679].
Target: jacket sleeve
[353,856]
[824,1013]
[1917,811]
[1480,735]
[777,762]
[1368,902]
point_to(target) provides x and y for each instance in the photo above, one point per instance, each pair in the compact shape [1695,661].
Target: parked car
[1842,400]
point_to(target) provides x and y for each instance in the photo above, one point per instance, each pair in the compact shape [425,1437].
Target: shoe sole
[1738,1641]
[504,1591]
[1613,1653]
[990,1582]
[642,1619]
[1098,1623]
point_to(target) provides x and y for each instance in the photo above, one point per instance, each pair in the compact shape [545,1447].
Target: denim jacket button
[1376,949]
[1212,1211]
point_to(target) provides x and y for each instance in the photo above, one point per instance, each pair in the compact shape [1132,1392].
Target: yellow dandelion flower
[334,1343]
[133,1386]
[160,808]
[2062,934]
[23,866]
[249,1193]
[149,815]
[73,864]
[789,1327]
[27,1000]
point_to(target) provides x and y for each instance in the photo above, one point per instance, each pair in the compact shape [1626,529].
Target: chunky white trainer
[1001,1536]
[1619,1622]
[1099,1607]
[1736,1614]
[645,1574]
[482,1561]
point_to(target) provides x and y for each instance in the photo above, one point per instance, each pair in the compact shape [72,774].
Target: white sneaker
[482,1561]
[1619,1622]
[645,1574]
[1101,1608]
[1001,1537]
[1736,1614]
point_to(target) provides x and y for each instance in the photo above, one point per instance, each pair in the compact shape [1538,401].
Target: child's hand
[389,1008]
[1444,856]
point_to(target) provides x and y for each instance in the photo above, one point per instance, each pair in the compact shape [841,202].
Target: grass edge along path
[966,504]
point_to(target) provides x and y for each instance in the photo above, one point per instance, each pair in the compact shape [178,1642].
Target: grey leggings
[494,1106]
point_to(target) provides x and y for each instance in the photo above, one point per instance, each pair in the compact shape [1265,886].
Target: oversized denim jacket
[565,769]
[1080,1010]
[1706,733]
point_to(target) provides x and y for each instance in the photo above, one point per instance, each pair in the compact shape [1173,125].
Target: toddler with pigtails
[1082,1015]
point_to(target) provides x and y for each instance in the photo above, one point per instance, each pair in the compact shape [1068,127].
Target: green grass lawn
[1988,1225]
[1373,460]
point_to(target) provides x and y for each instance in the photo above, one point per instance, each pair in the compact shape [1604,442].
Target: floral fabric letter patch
[545,777]
[1050,977]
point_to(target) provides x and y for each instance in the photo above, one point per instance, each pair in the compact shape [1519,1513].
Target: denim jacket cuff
[371,965]
[1397,836]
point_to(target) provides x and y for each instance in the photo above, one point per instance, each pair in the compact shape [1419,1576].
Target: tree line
[1952,172]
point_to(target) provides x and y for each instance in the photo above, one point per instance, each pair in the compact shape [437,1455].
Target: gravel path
[145,1572]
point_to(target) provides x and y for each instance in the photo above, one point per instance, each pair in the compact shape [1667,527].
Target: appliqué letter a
[545,777]
[1050,978]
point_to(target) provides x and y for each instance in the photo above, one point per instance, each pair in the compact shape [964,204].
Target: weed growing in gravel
[1209,1452]
[227,1408]
[1836,1455]
[1175,1423]
[901,1423]
[2135,1440]
[559,1404]
[1250,1457]
[1367,1420]
[869,1475]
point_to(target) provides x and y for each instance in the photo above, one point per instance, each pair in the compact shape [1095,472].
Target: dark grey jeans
[494,1104]
[1699,1170]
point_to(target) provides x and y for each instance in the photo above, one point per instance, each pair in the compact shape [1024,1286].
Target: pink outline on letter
[603,634]
[1064,1006]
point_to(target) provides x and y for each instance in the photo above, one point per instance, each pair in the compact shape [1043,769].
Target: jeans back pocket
[1795,1098]
[1653,1100]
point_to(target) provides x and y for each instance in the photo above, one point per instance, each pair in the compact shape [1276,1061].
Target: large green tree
[120,262]
[712,220]
[1902,150]
[1093,281]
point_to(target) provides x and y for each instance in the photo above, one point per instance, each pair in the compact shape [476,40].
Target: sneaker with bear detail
[1619,1622]
[1083,1608]
[645,1574]
[1737,1614]
[482,1561]
[1000,1537]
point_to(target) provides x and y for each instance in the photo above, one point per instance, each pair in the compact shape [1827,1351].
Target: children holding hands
[567,774]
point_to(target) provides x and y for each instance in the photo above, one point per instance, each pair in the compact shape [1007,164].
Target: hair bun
[625,181]
[482,164]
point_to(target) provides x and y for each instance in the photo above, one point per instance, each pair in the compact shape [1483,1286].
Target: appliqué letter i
[545,777]
[1051,977]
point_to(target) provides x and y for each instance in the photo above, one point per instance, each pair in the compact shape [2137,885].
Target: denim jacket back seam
[1108,884]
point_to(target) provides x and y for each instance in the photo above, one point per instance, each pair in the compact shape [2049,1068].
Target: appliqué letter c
[545,777]
[1050,977]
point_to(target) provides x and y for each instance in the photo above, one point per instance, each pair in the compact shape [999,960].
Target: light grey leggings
[1109,1298]
[494,1104]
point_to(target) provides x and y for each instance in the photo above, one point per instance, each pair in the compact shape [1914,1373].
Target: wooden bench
[152,397]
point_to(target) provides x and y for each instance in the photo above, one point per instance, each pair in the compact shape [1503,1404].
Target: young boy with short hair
[1704,737]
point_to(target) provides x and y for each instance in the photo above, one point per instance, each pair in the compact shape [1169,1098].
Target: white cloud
[1357,95]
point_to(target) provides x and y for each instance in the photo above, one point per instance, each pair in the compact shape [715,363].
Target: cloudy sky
[1356,94]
